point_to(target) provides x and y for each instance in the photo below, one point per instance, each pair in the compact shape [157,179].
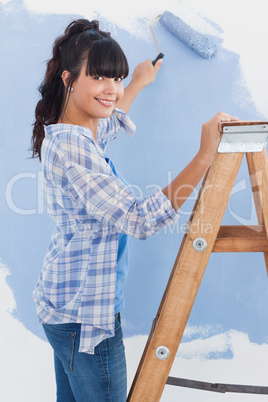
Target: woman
[79,294]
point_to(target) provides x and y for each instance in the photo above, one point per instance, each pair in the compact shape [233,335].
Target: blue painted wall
[168,115]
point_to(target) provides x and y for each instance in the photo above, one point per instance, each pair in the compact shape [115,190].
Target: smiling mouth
[105,102]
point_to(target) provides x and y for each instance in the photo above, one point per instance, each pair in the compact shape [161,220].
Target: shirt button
[148,225]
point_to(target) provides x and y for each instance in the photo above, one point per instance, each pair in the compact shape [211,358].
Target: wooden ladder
[206,236]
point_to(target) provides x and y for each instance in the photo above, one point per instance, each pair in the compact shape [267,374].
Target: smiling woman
[91,98]
[81,54]
[79,294]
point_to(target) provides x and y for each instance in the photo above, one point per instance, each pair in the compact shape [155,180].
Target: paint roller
[196,41]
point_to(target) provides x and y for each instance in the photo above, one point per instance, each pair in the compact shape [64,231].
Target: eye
[98,78]
[119,79]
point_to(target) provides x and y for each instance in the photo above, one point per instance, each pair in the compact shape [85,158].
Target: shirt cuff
[161,211]
[125,121]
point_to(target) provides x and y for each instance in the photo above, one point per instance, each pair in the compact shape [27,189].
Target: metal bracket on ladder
[249,137]
[243,138]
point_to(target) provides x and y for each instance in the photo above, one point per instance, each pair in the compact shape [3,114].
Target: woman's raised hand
[145,72]
[143,75]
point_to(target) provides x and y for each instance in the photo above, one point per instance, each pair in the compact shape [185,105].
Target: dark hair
[82,40]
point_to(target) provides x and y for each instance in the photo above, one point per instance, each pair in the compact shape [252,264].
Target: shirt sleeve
[107,199]
[110,127]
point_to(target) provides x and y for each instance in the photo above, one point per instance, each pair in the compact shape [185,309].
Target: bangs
[107,59]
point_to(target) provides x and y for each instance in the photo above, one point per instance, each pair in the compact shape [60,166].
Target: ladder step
[242,231]
[207,386]
[240,245]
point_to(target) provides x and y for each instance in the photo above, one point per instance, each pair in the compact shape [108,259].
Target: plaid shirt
[90,207]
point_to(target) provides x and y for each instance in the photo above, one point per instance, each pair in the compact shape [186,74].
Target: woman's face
[93,98]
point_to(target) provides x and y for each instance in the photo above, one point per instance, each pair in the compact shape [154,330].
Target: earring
[70,89]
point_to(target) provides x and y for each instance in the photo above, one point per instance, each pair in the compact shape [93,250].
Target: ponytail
[48,109]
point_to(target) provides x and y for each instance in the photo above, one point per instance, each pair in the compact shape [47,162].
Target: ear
[66,75]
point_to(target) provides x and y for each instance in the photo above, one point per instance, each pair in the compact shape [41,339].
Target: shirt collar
[58,128]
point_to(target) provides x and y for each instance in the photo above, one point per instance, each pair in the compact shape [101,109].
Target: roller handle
[160,56]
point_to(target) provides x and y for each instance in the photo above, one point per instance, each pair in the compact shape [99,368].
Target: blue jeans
[82,377]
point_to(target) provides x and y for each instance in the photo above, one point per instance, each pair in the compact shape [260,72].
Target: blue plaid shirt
[90,207]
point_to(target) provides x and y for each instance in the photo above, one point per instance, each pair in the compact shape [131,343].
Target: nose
[110,86]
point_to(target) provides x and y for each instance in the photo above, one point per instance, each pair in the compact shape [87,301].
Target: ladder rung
[240,245]
[242,231]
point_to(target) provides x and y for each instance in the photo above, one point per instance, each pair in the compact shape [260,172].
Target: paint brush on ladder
[196,41]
